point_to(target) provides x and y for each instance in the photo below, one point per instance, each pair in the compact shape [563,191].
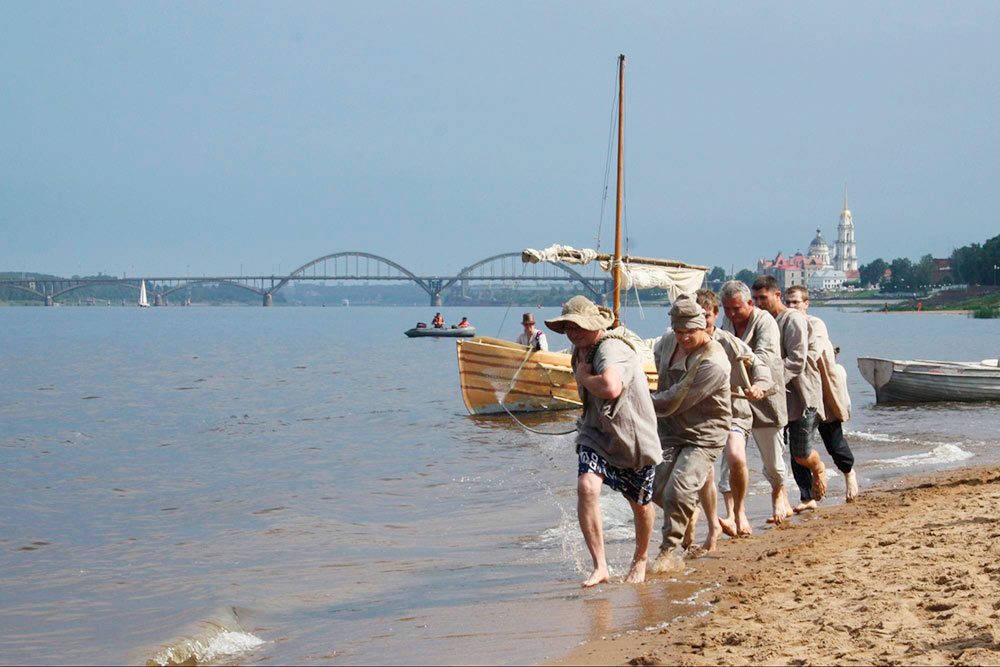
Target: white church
[817,271]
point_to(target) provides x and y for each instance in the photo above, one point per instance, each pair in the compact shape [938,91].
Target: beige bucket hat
[584,313]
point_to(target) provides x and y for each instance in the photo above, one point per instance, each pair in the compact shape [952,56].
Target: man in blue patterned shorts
[616,440]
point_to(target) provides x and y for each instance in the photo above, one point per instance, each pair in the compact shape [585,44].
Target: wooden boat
[432,332]
[497,375]
[923,380]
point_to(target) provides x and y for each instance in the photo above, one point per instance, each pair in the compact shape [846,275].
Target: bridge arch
[191,283]
[350,253]
[27,289]
[467,271]
[110,281]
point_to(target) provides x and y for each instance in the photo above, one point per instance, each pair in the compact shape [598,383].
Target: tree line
[973,264]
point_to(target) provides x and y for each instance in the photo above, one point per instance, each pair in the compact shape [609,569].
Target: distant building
[845,250]
[794,270]
[827,280]
[829,273]
[942,271]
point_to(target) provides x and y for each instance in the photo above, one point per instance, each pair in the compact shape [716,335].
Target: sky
[216,138]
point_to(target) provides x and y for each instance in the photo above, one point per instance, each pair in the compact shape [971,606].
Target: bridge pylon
[268,301]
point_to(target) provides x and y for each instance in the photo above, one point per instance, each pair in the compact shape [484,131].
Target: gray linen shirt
[704,415]
[623,429]
[759,375]
[802,383]
[763,337]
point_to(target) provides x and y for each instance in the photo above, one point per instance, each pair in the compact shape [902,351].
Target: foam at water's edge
[216,641]
[940,454]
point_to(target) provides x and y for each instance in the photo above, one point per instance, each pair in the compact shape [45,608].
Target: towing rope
[513,380]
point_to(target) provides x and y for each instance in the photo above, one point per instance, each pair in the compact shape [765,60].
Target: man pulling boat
[616,440]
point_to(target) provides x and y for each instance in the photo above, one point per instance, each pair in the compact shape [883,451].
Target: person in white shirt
[532,337]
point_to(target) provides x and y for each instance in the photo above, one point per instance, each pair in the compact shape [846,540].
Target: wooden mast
[616,270]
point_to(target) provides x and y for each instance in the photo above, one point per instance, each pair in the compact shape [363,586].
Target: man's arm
[608,385]
[708,379]
[795,343]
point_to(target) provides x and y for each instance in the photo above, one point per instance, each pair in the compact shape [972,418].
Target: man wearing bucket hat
[616,439]
[694,413]
[532,337]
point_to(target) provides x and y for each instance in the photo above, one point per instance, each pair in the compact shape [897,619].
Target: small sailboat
[497,376]
[143,301]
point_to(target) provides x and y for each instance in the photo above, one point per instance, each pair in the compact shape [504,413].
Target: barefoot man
[836,399]
[693,413]
[803,395]
[616,439]
[757,328]
[750,378]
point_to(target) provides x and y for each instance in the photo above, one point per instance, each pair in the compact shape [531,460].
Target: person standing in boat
[836,399]
[757,328]
[803,395]
[532,337]
[694,414]
[616,440]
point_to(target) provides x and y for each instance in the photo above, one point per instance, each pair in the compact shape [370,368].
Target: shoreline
[870,582]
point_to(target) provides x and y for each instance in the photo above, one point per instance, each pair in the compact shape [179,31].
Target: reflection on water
[190,482]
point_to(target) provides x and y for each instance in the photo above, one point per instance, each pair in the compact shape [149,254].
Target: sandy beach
[909,574]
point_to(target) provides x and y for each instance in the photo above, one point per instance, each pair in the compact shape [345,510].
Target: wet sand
[909,574]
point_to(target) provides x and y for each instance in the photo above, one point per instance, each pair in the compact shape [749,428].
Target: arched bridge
[340,266]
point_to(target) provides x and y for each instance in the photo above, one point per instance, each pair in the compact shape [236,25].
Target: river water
[303,485]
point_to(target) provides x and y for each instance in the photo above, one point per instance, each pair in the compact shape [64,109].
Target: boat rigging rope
[513,380]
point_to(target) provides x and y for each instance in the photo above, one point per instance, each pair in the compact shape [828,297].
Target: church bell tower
[845,255]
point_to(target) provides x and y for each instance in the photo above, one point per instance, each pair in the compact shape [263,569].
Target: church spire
[845,195]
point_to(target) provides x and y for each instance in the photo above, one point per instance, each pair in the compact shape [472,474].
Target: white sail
[641,273]
[143,301]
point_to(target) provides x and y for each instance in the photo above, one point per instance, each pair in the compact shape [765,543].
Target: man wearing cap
[693,414]
[616,439]
[532,337]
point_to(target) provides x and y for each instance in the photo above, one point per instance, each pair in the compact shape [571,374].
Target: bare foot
[637,574]
[598,576]
[805,507]
[779,501]
[666,562]
[729,527]
[819,484]
[688,538]
[852,485]
[781,512]
[743,525]
[712,540]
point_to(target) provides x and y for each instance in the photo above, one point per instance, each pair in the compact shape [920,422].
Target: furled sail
[639,272]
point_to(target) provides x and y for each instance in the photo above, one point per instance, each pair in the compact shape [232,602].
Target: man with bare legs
[836,400]
[757,328]
[803,394]
[616,442]
[751,376]
[693,414]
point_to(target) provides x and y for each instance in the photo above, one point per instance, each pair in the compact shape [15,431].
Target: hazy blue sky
[161,138]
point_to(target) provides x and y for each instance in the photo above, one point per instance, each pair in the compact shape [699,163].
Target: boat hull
[430,332]
[495,374]
[921,381]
